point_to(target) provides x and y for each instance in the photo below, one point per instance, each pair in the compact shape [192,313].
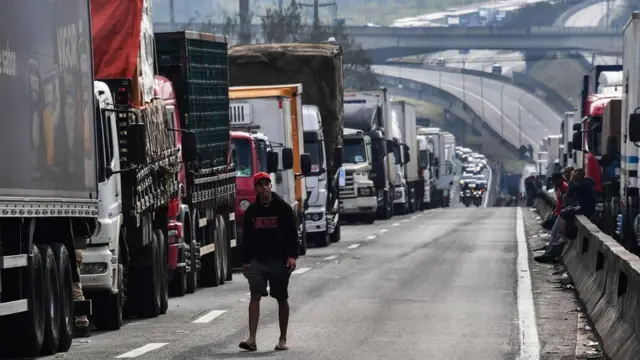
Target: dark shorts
[273,272]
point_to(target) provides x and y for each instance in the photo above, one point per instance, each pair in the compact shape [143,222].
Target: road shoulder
[563,326]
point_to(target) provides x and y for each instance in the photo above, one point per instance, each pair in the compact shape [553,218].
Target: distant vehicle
[496,69]
[441,62]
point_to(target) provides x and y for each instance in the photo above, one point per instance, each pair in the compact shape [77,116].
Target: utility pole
[245,22]
[316,11]
[172,13]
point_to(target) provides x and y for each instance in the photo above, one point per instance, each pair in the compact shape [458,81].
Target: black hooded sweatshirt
[269,231]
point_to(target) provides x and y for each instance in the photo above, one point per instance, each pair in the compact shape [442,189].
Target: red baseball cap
[261,176]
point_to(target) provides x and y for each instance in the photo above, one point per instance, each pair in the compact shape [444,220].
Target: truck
[442,164]
[320,225]
[276,110]
[208,201]
[370,112]
[319,68]
[49,188]
[126,261]
[425,155]
[567,139]
[358,196]
[406,119]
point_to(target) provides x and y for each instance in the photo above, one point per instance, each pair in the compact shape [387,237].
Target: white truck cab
[357,192]
[320,223]
[424,161]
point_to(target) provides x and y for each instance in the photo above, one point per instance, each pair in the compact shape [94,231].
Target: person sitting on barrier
[549,255]
[583,190]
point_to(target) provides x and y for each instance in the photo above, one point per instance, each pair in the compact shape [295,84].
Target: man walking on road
[270,245]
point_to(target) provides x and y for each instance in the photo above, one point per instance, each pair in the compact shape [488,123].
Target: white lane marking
[353,246]
[414,217]
[405,220]
[370,237]
[141,350]
[331,257]
[384,230]
[300,271]
[208,317]
[529,342]
[395,224]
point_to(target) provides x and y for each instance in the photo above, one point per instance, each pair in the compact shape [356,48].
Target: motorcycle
[477,197]
[466,198]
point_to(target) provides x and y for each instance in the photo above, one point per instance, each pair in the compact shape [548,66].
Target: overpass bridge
[402,41]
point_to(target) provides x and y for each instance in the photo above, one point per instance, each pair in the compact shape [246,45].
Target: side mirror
[569,148]
[337,157]
[407,155]
[287,159]
[305,164]
[577,127]
[576,141]
[272,162]
[634,127]
[390,146]
[189,146]
[137,144]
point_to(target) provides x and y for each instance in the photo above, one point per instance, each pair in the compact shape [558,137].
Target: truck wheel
[302,249]
[221,248]
[51,297]
[63,263]
[164,271]
[28,328]
[322,239]
[335,237]
[368,219]
[209,273]
[147,283]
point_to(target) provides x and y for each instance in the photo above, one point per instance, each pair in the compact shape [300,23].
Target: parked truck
[425,171]
[207,209]
[406,118]
[276,110]
[370,112]
[318,67]
[358,196]
[442,164]
[51,170]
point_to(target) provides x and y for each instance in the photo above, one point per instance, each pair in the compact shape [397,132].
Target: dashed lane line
[384,231]
[332,257]
[300,271]
[414,217]
[395,224]
[354,246]
[370,237]
[208,317]
[405,220]
[141,350]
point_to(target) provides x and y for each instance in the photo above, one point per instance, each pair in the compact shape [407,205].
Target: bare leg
[254,316]
[283,317]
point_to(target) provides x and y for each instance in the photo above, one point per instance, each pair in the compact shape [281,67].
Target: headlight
[365,192]
[313,217]
[244,205]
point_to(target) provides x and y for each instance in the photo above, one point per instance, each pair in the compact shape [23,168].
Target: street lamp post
[502,109]
[520,117]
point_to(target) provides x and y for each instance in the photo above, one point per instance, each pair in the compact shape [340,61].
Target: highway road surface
[481,60]
[522,111]
[593,16]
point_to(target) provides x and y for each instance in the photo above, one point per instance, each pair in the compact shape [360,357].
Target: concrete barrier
[607,277]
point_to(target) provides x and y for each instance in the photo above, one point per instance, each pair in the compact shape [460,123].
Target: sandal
[281,347]
[248,345]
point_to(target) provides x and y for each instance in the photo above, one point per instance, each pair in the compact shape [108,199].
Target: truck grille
[348,190]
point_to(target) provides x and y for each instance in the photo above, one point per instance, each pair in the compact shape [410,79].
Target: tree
[286,25]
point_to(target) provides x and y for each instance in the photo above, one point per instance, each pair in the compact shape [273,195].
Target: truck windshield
[354,151]
[244,163]
[261,154]
[314,149]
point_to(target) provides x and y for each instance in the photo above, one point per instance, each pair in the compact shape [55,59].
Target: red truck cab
[179,245]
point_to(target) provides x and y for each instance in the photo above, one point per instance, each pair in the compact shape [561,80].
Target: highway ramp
[523,112]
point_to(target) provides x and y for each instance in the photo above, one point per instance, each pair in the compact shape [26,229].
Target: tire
[335,237]
[222,249]
[368,219]
[163,267]
[28,328]
[111,314]
[322,239]
[65,274]
[51,292]
[209,273]
[147,284]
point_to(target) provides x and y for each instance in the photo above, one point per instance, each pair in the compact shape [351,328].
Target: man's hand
[291,264]
[245,269]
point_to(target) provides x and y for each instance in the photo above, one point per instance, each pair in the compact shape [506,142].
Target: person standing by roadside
[270,252]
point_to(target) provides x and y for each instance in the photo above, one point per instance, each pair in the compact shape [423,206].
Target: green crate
[197,65]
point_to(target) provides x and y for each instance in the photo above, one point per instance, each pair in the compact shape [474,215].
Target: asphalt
[526,120]
[440,284]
